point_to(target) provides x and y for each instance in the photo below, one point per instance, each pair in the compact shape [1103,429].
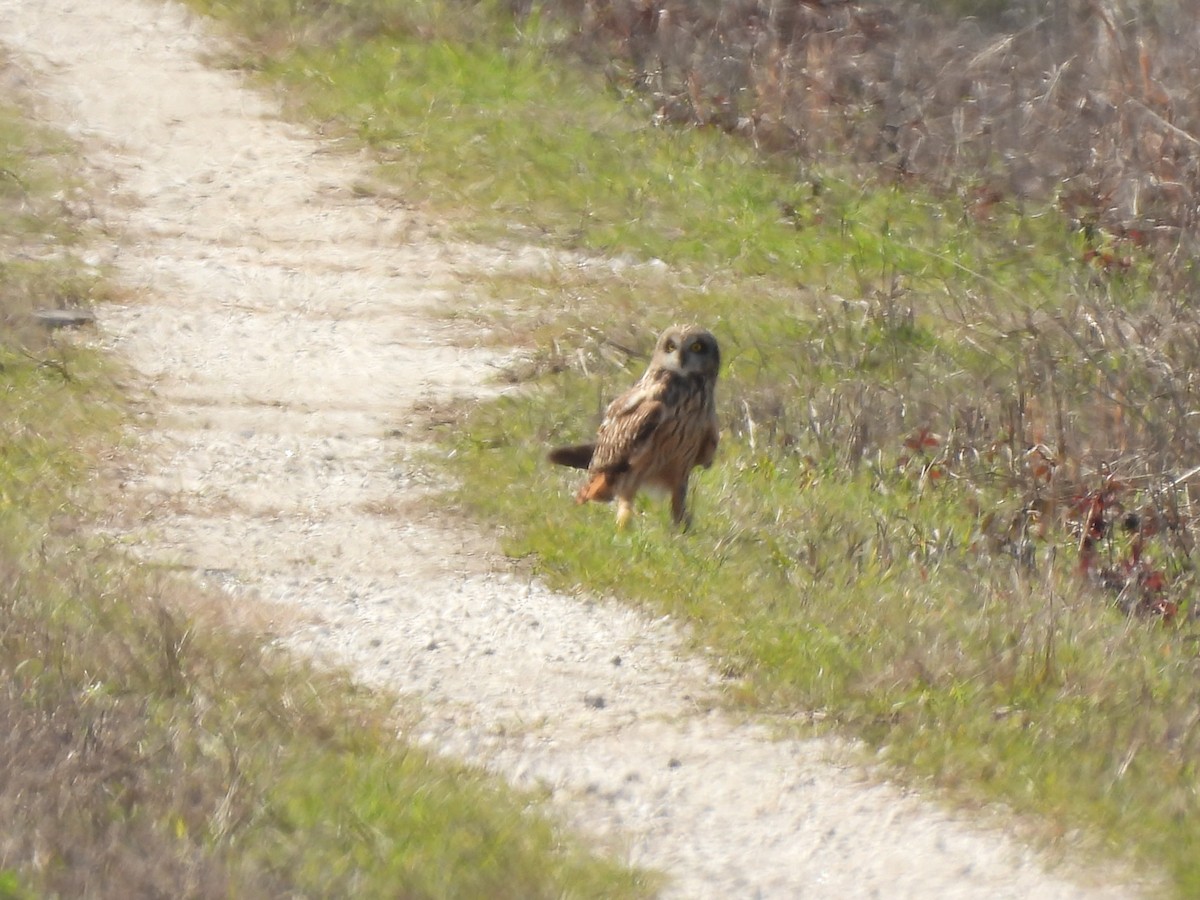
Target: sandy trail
[283,338]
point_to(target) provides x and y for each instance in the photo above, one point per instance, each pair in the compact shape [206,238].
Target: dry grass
[1089,104]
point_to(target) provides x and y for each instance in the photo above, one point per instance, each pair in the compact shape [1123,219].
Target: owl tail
[577,457]
[597,488]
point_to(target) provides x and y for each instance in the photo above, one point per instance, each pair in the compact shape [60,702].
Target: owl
[655,433]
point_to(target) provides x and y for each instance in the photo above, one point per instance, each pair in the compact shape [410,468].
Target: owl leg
[624,512]
[679,505]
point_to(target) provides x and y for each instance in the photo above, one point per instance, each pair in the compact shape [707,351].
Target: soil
[283,326]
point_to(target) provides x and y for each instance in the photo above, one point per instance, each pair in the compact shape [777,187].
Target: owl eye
[671,346]
[697,347]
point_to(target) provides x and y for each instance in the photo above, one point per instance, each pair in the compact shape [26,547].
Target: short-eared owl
[655,433]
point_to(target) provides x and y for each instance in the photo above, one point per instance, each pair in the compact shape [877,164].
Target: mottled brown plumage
[655,433]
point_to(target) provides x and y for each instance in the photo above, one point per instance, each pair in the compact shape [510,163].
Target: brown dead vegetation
[1092,104]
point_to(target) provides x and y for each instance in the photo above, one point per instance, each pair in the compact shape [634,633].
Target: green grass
[550,158]
[144,735]
[924,595]
[471,121]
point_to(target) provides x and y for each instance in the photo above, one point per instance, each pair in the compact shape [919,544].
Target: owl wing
[628,423]
[625,432]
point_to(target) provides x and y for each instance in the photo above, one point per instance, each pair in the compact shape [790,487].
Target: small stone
[64,318]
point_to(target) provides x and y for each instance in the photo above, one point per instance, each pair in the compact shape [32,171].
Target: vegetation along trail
[283,324]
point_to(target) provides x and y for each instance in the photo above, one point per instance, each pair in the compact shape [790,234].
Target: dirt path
[283,338]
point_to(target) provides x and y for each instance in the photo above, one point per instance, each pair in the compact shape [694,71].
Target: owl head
[687,350]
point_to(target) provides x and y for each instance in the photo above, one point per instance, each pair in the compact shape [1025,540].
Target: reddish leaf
[1154,581]
[922,440]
